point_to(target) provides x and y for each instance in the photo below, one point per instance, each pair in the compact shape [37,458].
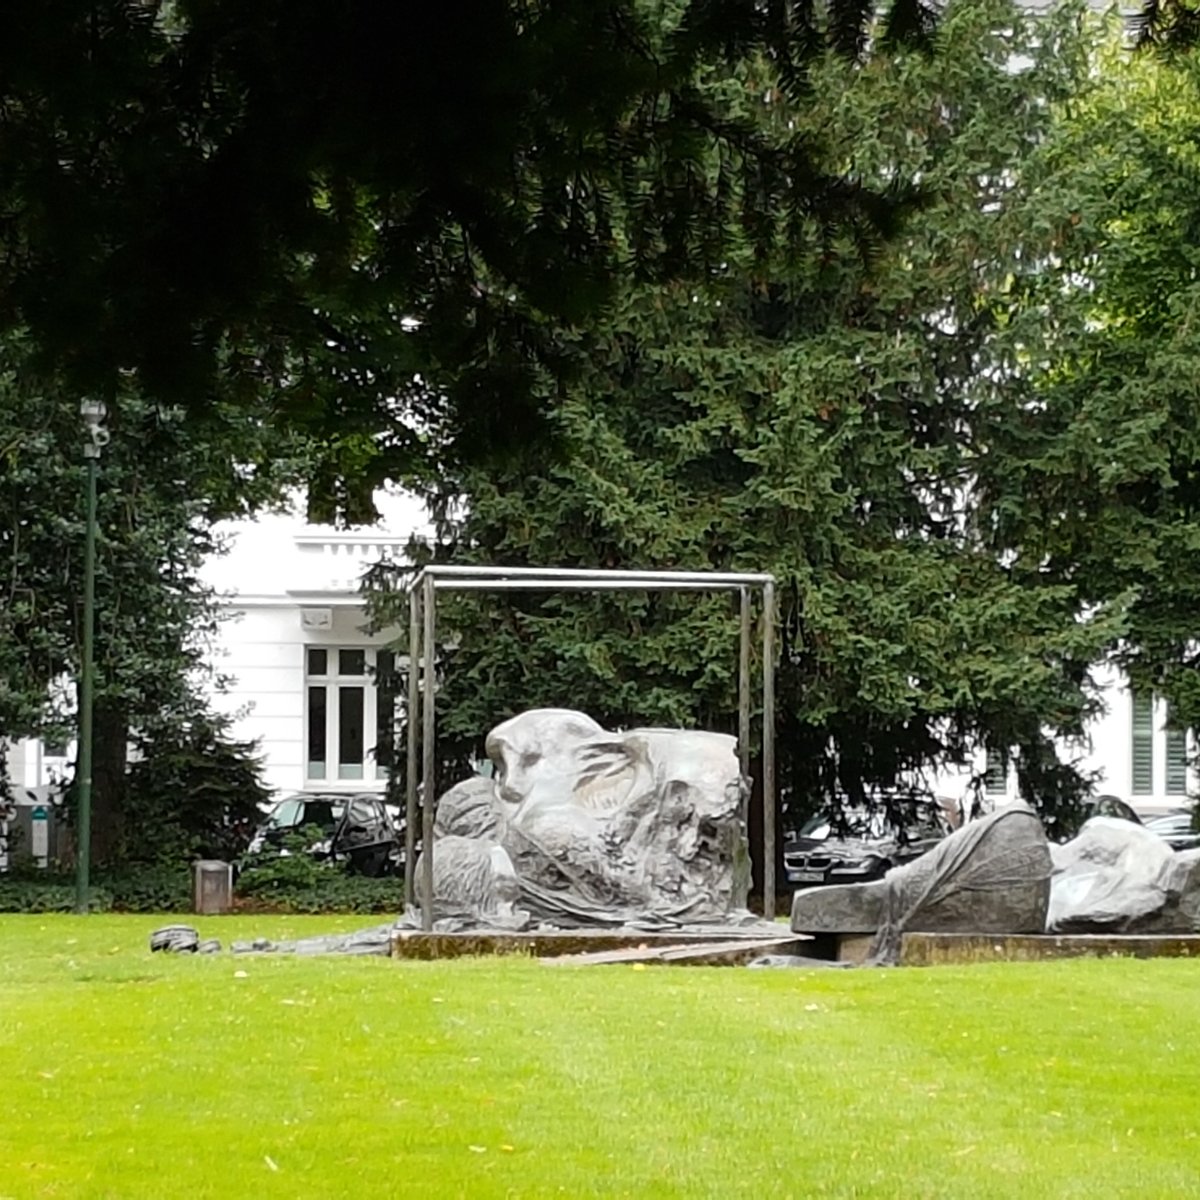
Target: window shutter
[1176,762]
[996,779]
[1142,747]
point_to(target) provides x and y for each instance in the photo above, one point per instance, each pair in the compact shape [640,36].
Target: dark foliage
[258,192]
[822,420]
[144,890]
[296,882]
[195,793]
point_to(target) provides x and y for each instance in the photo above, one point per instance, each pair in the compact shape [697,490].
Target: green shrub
[295,881]
[195,793]
[149,889]
[298,883]
[146,890]
[337,892]
[55,894]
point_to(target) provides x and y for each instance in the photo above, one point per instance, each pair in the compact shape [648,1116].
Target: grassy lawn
[129,1075]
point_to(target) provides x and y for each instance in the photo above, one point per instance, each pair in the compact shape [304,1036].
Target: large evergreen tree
[164,481]
[1095,483]
[825,419]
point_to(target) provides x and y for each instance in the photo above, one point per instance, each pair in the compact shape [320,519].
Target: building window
[996,777]
[386,690]
[343,704]
[1142,748]
[1176,760]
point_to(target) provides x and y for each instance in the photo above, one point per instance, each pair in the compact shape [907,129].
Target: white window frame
[333,681]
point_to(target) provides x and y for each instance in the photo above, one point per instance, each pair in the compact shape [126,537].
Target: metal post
[441,576]
[428,783]
[93,413]
[768,750]
[413,721]
[83,849]
[744,696]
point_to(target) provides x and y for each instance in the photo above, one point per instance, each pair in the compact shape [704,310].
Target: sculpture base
[956,949]
[417,944]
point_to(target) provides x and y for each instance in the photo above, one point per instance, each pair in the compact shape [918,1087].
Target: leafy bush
[294,881]
[54,894]
[156,889]
[149,890]
[336,892]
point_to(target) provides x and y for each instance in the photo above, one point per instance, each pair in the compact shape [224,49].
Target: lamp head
[93,413]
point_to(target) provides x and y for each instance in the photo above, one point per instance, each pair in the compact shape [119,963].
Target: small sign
[39,834]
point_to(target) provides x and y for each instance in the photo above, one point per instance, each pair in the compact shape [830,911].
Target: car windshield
[300,811]
[855,823]
[871,826]
[1111,806]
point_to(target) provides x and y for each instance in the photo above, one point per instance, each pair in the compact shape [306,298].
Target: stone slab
[854,948]
[418,944]
[945,949]
[706,954]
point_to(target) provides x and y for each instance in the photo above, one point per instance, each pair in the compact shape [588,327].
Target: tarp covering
[1117,876]
[990,876]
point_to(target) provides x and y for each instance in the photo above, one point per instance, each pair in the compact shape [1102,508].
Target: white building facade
[306,676]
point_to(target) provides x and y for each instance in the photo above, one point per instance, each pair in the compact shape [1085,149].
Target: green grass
[129,1075]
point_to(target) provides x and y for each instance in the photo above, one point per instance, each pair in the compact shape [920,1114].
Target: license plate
[805,876]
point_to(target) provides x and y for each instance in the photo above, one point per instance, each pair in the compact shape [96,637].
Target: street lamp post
[93,413]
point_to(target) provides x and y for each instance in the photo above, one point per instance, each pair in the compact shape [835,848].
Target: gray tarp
[990,876]
[1118,877]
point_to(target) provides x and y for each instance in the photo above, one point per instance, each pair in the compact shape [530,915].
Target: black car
[865,847]
[356,829]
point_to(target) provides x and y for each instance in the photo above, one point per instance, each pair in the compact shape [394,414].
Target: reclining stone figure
[990,876]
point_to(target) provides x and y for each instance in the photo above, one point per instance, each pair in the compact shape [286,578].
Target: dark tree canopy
[267,188]
[827,419]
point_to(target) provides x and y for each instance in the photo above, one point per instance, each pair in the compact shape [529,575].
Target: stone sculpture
[581,826]
[990,876]
[1118,877]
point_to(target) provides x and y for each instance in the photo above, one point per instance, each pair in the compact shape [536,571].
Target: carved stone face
[597,823]
[537,755]
[554,757]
